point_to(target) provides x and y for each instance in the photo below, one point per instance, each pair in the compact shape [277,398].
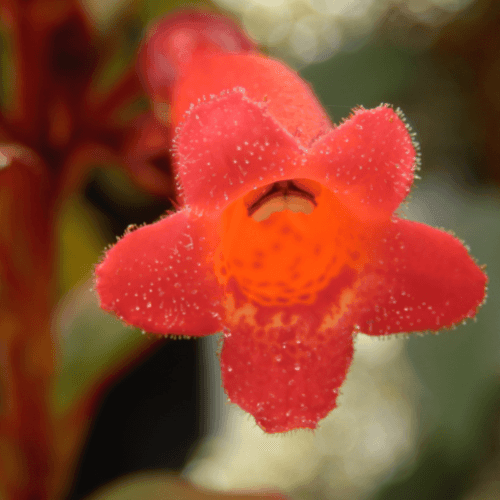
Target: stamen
[281,196]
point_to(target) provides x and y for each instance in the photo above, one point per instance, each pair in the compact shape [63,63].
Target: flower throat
[276,246]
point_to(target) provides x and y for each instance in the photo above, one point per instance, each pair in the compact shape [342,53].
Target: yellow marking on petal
[234,314]
[338,310]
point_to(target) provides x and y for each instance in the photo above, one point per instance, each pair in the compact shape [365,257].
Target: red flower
[286,241]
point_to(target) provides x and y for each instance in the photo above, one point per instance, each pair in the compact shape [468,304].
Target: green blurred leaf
[156,8]
[91,341]
[458,369]
[80,243]
[6,70]
[365,77]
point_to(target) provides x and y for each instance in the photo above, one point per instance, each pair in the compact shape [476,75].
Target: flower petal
[173,42]
[421,278]
[290,100]
[285,365]
[160,277]
[369,159]
[228,145]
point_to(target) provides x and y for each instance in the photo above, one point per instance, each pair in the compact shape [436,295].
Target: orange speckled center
[290,256]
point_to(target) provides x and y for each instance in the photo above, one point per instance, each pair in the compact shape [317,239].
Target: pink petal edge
[369,159]
[285,365]
[290,100]
[421,278]
[158,277]
[228,145]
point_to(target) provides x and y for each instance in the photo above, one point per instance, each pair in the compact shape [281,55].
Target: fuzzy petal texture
[159,277]
[228,145]
[289,271]
[229,142]
[285,365]
[421,278]
[368,160]
[289,99]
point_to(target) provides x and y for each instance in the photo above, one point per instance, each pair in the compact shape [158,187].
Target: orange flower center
[285,242]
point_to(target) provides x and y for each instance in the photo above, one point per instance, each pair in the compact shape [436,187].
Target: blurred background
[419,417]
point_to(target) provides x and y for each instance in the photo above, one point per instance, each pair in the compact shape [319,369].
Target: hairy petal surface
[160,277]
[421,278]
[227,146]
[367,160]
[285,365]
[289,99]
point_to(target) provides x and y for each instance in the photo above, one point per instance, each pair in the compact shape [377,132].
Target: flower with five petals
[286,240]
